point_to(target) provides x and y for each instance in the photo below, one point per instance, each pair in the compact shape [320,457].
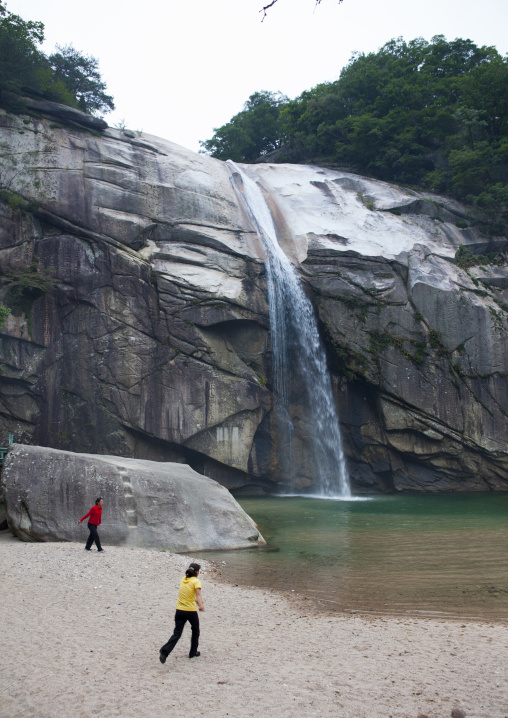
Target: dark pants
[180,618]
[94,536]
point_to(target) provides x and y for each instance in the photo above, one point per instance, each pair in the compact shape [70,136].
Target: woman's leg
[97,540]
[94,536]
[90,538]
[180,619]
[194,622]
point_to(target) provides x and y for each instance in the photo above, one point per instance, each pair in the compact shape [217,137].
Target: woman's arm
[85,516]
[199,600]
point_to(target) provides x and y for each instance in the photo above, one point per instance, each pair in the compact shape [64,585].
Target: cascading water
[297,349]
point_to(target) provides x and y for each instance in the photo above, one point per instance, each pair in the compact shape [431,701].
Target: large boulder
[146,503]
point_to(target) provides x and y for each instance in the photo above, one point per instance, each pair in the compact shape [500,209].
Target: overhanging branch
[271,4]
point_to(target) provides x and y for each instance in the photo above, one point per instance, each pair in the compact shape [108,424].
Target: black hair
[97,500]
[192,570]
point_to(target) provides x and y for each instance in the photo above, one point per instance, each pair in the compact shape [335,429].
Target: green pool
[441,555]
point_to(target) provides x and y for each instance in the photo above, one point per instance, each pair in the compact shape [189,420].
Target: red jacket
[95,515]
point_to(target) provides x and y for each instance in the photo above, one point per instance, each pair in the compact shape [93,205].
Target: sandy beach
[81,634]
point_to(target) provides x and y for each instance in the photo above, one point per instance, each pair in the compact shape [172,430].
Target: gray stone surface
[146,503]
[64,113]
[154,342]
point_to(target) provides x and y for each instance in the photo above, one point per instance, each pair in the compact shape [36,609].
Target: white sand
[81,634]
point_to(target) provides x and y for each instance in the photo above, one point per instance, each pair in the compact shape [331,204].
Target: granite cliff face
[154,340]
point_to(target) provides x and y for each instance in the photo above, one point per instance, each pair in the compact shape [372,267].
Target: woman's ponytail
[192,570]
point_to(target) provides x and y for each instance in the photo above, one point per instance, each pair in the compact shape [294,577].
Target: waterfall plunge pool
[441,555]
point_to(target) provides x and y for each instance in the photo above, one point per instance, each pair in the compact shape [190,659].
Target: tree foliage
[19,56]
[4,313]
[80,74]
[21,62]
[67,76]
[23,285]
[251,133]
[432,115]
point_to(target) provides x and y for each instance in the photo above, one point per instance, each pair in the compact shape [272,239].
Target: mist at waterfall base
[443,555]
[299,358]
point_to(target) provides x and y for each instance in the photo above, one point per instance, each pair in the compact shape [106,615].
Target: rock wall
[147,504]
[154,340]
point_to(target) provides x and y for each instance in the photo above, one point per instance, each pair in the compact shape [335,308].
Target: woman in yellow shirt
[188,595]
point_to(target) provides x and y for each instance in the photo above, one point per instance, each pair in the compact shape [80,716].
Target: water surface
[442,555]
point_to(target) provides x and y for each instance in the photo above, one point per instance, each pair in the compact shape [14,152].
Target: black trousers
[94,536]
[181,617]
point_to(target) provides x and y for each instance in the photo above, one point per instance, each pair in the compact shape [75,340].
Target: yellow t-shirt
[187,594]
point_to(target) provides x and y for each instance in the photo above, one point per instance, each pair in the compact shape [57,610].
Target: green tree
[491,207]
[251,133]
[485,88]
[25,284]
[20,60]
[432,115]
[391,110]
[80,74]
[429,114]
[4,313]
[67,76]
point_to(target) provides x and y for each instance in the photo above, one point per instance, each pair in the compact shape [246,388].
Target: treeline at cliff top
[67,76]
[427,115]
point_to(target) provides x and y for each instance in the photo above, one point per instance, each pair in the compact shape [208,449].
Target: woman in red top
[95,514]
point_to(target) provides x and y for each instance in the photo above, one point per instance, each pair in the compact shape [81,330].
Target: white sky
[180,68]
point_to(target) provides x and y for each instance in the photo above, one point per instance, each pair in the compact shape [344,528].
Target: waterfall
[298,353]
